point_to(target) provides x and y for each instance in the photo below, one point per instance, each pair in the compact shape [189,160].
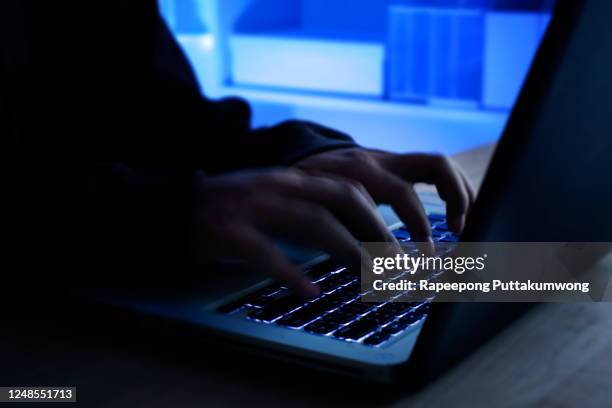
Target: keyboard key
[322,305]
[321,327]
[340,316]
[376,338]
[247,299]
[313,310]
[415,304]
[230,307]
[395,327]
[380,316]
[353,288]
[321,269]
[329,284]
[277,308]
[396,309]
[343,278]
[441,226]
[357,329]
[268,290]
[424,308]
[436,217]
[354,272]
[411,318]
[293,321]
[257,298]
[261,301]
[359,307]
[438,234]
[401,234]
[342,296]
[450,238]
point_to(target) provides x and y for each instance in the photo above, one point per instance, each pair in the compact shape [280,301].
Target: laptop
[549,180]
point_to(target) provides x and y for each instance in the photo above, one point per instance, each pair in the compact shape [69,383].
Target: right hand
[236,214]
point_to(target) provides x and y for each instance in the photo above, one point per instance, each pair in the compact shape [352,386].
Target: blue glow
[313,65]
[436,53]
[435,75]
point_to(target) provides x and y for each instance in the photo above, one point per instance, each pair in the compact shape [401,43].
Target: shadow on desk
[557,355]
[115,362]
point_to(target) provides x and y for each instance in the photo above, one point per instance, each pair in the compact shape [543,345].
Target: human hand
[389,178]
[235,215]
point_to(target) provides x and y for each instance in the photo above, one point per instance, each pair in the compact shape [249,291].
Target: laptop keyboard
[338,311]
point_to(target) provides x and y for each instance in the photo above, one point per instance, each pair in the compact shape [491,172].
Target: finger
[360,165]
[468,188]
[261,253]
[407,205]
[309,225]
[355,183]
[380,222]
[354,206]
[437,170]
[349,202]
[453,190]
[470,193]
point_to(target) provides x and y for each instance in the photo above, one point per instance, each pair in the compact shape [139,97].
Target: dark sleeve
[107,120]
[109,81]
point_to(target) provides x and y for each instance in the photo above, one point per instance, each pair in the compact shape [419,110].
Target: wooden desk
[559,355]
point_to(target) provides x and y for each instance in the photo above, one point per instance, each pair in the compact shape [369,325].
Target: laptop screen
[550,177]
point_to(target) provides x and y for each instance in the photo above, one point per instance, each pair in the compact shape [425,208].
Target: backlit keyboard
[338,311]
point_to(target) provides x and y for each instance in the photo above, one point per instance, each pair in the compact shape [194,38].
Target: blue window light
[433,75]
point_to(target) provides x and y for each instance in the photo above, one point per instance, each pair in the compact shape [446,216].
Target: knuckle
[275,177]
[304,211]
[281,178]
[358,187]
[440,161]
[348,190]
[318,214]
[356,193]
[295,172]
[360,155]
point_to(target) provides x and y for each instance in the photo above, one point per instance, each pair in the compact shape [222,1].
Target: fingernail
[430,246]
[398,247]
[426,246]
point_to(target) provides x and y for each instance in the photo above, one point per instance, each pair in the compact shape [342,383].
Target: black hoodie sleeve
[107,126]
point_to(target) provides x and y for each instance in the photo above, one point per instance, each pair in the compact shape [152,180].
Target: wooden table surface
[558,355]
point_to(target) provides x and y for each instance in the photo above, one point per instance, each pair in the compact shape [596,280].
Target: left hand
[389,178]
